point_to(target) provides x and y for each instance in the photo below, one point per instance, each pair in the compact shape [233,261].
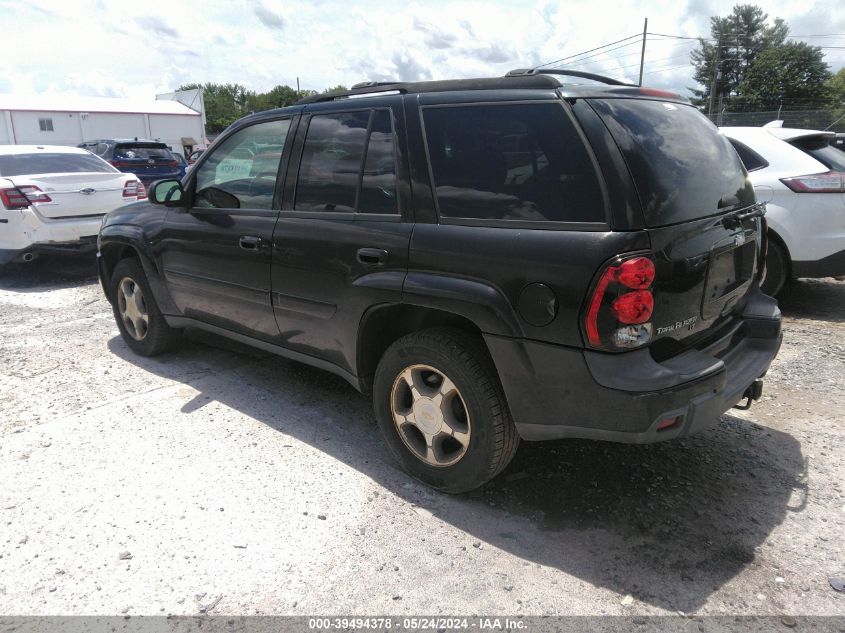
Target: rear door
[341,242]
[216,253]
[699,211]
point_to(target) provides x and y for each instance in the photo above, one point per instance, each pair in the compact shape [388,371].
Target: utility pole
[715,76]
[642,54]
[298,93]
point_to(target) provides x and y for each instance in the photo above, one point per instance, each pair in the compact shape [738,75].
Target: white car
[53,198]
[802,178]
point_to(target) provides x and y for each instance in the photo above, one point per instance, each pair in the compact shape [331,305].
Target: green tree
[793,76]
[836,88]
[735,41]
[224,103]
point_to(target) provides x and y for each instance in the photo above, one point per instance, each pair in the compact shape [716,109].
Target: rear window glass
[511,162]
[142,151]
[818,148]
[26,164]
[682,166]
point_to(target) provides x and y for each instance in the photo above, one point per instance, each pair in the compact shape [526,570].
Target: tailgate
[704,269]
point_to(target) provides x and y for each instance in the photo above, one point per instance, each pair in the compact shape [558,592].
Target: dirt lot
[225,479]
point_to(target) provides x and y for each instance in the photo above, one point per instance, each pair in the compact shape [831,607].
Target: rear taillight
[34,194]
[828,182]
[13,199]
[22,197]
[134,189]
[120,163]
[621,305]
[173,163]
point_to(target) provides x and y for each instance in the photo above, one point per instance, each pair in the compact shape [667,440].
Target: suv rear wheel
[139,320]
[777,269]
[441,409]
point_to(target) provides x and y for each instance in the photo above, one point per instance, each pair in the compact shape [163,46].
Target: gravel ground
[222,479]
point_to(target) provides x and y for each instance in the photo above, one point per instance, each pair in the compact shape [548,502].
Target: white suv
[802,177]
[53,198]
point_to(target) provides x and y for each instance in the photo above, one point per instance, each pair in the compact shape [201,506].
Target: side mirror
[167,192]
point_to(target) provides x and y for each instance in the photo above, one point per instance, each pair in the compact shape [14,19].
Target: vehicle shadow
[50,272]
[666,523]
[817,299]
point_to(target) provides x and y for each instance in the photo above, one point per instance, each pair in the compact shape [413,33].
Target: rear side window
[27,164]
[682,167]
[751,159]
[511,162]
[128,150]
[348,164]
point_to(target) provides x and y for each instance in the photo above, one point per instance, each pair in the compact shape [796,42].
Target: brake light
[654,92]
[13,199]
[134,189]
[633,308]
[34,194]
[827,182]
[621,305]
[173,163]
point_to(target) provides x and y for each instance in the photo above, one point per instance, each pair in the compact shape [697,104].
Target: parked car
[53,198]
[803,179]
[839,142]
[492,259]
[148,160]
[183,165]
[194,156]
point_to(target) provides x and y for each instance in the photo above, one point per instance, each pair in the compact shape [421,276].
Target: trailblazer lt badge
[686,323]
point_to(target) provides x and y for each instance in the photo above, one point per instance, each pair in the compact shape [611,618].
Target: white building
[70,120]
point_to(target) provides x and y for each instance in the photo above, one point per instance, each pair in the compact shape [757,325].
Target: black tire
[777,269]
[464,359]
[157,337]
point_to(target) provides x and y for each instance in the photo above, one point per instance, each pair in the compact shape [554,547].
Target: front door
[216,253]
[341,242]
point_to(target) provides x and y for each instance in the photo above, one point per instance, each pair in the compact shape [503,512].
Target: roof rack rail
[363,88]
[525,72]
[373,84]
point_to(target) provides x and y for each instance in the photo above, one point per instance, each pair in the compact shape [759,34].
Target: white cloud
[105,47]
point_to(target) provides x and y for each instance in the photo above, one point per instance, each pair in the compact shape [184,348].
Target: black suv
[493,259]
[148,160]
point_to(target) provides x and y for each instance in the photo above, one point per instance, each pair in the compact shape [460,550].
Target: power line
[624,39]
[578,61]
[663,70]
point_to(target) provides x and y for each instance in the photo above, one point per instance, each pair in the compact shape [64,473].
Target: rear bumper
[26,231]
[82,245]
[830,266]
[556,392]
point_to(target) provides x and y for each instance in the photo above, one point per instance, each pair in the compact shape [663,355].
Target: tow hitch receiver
[754,391]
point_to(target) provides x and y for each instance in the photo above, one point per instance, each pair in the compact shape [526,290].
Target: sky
[138,49]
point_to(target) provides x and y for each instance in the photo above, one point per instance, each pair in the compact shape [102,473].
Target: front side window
[348,164]
[511,162]
[242,171]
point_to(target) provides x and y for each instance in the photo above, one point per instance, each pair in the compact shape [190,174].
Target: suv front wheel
[139,320]
[441,409]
